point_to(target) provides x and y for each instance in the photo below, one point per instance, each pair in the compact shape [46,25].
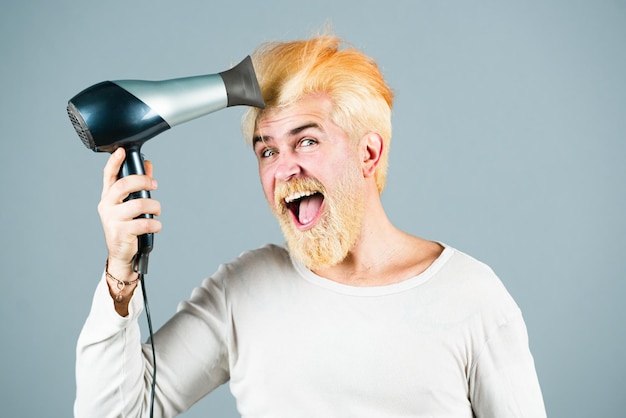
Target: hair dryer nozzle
[80,126]
[242,86]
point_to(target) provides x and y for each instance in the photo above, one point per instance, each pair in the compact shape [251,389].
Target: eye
[307,142]
[267,152]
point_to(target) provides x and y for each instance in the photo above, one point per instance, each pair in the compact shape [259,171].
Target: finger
[123,187]
[127,232]
[142,226]
[112,169]
[133,208]
[112,207]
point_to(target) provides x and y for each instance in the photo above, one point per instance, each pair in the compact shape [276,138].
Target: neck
[383,254]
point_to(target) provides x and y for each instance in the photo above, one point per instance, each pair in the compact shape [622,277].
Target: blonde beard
[329,241]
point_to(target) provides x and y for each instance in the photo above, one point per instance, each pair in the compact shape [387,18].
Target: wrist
[122,283]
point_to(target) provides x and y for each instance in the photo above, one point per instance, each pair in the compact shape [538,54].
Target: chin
[326,243]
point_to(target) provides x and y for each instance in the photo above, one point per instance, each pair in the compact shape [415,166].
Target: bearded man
[351,318]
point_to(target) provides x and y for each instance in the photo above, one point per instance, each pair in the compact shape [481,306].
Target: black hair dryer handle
[133,164]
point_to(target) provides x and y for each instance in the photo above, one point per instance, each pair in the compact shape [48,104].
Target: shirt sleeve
[503,380]
[114,369]
[109,362]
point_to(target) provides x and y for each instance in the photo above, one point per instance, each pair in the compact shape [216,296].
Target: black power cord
[140,266]
[149,319]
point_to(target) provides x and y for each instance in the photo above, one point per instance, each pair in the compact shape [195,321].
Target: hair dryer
[127,113]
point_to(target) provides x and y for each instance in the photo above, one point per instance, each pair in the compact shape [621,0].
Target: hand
[118,218]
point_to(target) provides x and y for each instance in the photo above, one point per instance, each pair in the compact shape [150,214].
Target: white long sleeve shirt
[450,342]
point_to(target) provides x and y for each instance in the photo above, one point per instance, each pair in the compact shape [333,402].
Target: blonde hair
[362,100]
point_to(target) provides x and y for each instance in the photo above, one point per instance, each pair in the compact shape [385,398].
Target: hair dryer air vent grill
[80,126]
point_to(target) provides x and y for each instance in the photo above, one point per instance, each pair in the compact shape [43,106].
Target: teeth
[298,195]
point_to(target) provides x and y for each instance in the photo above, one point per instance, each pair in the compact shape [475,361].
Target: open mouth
[305,207]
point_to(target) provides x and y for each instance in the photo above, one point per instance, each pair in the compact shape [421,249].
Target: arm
[109,364]
[503,380]
[113,368]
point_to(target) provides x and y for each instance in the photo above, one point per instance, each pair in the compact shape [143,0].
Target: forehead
[312,109]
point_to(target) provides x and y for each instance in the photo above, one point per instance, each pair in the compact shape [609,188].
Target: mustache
[293,187]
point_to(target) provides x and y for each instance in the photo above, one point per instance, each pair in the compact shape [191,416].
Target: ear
[371,148]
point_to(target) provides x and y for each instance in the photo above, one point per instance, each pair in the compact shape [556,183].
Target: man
[352,318]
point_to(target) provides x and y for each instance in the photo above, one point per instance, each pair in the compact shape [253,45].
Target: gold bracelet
[120,284]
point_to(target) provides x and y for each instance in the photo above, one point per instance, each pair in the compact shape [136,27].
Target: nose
[287,167]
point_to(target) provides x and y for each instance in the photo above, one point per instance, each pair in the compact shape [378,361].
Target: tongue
[309,206]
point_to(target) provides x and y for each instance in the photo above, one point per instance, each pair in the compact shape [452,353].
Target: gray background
[509,131]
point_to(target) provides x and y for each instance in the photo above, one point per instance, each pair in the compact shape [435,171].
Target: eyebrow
[293,132]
